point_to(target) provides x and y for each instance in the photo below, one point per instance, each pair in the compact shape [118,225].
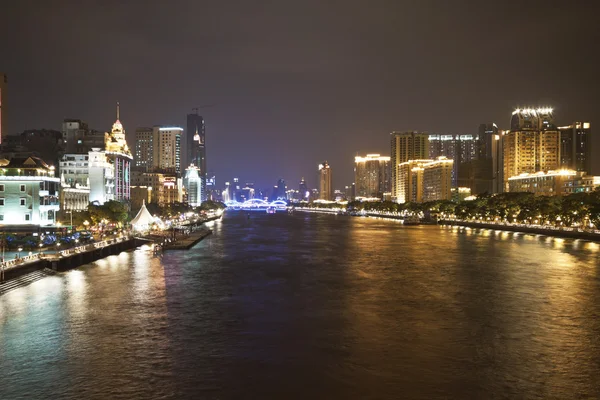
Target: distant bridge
[256,205]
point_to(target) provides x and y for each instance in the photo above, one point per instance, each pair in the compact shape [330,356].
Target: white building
[193,185]
[74,182]
[29,192]
[101,176]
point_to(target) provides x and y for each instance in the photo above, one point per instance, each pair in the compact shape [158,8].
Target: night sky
[295,83]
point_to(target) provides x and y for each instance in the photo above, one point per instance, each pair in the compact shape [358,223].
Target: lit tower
[117,151]
[196,147]
[325,187]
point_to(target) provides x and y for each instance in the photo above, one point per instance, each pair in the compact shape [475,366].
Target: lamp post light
[20,249]
[41,245]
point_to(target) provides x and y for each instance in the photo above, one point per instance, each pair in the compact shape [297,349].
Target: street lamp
[41,245]
[19,253]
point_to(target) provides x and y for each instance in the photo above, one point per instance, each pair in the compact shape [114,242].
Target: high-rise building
[74,182]
[196,146]
[425,180]
[193,187]
[3,82]
[303,190]
[406,146]
[460,148]
[101,176]
[144,148]
[325,187]
[437,179]
[532,144]
[575,147]
[166,149]
[78,138]
[119,156]
[372,175]
[486,137]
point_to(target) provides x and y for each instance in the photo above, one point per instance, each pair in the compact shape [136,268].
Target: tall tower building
[325,187]
[532,144]
[406,146]
[486,135]
[196,147]
[144,148]
[3,82]
[303,190]
[118,153]
[166,149]
[372,175]
[575,147]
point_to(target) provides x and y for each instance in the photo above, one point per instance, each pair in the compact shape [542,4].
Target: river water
[311,306]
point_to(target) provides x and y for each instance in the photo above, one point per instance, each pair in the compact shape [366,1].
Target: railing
[62,253]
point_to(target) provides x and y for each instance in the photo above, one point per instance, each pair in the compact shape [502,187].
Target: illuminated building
[581,184]
[350,192]
[118,154]
[484,173]
[166,188]
[29,192]
[193,185]
[196,146]
[144,148]
[575,146]
[166,149]
[460,193]
[74,182]
[486,137]
[541,183]
[303,190]
[409,182]
[279,191]
[3,82]
[437,179]
[101,176]
[532,144]
[460,148]
[372,175]
[424,180]
[406,146]
[325,187]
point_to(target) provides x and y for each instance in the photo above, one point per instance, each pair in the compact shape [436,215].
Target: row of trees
[117,212]
[577,209]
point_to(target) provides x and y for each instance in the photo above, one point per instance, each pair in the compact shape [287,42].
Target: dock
[188,241]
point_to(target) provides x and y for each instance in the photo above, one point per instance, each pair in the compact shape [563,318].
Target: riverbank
[189,241]
[569,233]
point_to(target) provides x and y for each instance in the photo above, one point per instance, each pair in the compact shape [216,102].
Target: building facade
[405,146]
[576,147]
[325,183]
[409,182]
[118,154]
[193,186]
[167,149]
[460,148]
[144,148]
[437,179]
[372,175]
[532,144]
[74,182]
[29,192]
[196,147]
[581,184]
[551,183]
[101,177]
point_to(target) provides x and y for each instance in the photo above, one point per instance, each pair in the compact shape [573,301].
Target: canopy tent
[143,220]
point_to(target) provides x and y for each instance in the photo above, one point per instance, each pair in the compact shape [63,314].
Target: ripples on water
[314,306]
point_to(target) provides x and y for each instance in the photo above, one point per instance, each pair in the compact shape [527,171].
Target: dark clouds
[298,82]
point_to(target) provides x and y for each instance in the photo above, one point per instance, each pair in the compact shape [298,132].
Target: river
[311,306]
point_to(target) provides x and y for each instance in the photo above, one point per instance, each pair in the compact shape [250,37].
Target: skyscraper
[575,147]
[144,148]
[3,82]
[372,175]
[460,148]
[192,186]
[303,190]
[166,149]
[487,135]
[532,144]
[325,187]
[196,147]
[406,146]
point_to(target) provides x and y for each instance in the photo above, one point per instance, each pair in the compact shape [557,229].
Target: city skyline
[278,96]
